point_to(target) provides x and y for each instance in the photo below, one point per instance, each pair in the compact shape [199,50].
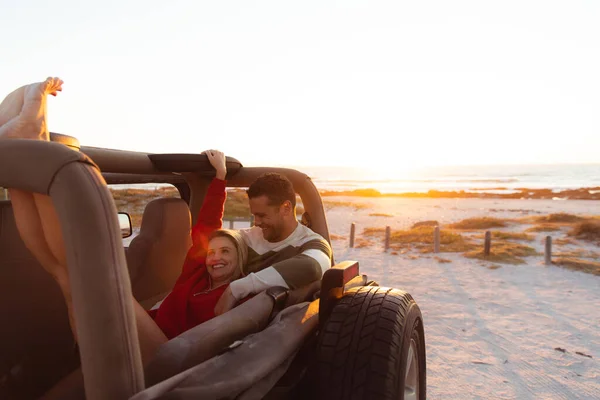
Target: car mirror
[125,225]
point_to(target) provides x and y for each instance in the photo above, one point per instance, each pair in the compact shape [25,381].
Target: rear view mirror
[125,225]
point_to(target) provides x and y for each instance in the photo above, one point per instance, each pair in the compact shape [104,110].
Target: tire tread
[360,342]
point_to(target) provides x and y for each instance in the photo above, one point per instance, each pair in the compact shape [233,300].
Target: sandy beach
[493,330]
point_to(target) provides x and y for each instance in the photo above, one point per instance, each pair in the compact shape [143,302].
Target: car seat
[36,344]
[155,256]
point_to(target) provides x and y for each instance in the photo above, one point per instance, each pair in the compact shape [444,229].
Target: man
[281,251]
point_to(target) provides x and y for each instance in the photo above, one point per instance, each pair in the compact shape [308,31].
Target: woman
[215,259]
[23,115]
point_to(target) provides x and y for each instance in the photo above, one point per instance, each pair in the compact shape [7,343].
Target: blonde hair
[240,246]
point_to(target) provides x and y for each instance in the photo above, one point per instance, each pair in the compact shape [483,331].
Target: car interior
[37,348]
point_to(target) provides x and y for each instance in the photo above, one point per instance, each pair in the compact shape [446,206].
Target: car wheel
[372,347]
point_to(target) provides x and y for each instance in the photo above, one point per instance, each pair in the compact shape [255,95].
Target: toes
[46,84]
[53,85]
[59,83]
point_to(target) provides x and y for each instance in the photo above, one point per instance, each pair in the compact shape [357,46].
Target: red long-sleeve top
[191,302]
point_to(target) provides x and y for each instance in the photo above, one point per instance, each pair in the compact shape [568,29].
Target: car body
[344,337]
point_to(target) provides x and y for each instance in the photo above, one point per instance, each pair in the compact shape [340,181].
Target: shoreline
[586,193]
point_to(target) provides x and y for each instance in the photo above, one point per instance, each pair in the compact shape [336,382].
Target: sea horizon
[476,178]
[482,179]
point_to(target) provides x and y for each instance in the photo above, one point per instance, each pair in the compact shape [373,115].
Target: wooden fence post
[487,244]
[251,221]
[436,239]
[230,224]
[548,251]
[388,232]
[352,230]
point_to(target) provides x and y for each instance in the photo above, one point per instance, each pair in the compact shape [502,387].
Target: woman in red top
[214,260]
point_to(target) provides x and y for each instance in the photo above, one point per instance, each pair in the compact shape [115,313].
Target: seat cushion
[155,257]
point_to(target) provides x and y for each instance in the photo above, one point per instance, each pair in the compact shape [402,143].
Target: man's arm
[292,273]
[297,271]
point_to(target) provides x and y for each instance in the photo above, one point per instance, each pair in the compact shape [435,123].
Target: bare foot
[23,112]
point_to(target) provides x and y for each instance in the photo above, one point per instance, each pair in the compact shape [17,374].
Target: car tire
[372,347]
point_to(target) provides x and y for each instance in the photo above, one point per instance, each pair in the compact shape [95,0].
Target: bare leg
[31,228]
[23,115]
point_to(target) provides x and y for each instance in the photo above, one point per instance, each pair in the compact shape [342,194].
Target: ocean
[489,178]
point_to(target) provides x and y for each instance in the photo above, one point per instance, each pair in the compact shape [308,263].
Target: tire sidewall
[412,329]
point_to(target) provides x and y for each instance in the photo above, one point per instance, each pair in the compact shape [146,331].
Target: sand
[511,332]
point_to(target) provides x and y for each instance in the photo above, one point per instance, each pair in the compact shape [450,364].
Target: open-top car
[344,337]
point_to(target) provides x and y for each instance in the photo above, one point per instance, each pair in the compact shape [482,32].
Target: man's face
[271,219]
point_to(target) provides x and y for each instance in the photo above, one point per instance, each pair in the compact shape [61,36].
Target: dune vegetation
[508,236]
[587,230]
[480,223]
[504,252]
[577,264]
[421,239]
[329,204]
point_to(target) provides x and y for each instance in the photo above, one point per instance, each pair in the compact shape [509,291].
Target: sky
[373,84]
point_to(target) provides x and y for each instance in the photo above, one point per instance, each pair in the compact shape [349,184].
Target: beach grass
[558,218]
[512,236]
[141,194]
[578,253]
[500,235]
[329,204]
[480,223]
[577,264]
[236,204]
[425,223]
[563,241]
[362,242]
[544,227]
[556,221]
[134,201]
[504,252]
[421,239]
[380,215]
[587,230]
